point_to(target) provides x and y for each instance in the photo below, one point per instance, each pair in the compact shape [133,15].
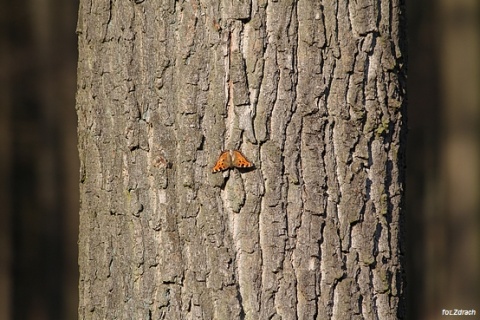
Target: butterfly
[231,159]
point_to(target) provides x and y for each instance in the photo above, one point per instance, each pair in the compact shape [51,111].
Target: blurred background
[39,162]
[443,157]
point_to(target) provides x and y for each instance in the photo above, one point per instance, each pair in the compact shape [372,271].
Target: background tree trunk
[312,93]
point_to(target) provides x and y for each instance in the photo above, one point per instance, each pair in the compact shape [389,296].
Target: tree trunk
[313,94]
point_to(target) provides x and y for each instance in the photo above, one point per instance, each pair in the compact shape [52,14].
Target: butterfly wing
[224,162]
[239,160]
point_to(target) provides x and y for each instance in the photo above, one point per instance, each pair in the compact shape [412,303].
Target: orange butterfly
[231,159]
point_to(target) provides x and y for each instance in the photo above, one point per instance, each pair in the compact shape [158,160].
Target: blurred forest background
[39,161]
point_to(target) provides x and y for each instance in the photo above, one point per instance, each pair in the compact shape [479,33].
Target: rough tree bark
[312,92]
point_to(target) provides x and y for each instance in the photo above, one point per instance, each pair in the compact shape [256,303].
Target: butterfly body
[231,159]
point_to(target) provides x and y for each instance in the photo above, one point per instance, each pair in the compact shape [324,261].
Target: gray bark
[312,93]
